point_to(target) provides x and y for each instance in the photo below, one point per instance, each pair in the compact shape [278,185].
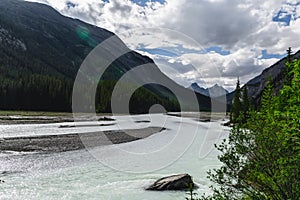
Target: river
[116,171]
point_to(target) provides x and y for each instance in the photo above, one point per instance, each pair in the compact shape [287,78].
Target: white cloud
[292,1]
[244,27]
[213,66]
[297,12]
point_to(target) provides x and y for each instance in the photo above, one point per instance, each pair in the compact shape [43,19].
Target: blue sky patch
[162,52]
[180,50]
[70,4]
[265,55]
[218,50]
[284,17]
[143,2]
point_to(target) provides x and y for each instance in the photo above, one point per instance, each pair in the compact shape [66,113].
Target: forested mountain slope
[274,73]
[41,52]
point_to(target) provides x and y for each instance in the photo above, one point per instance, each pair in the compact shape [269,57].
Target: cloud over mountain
[254,33]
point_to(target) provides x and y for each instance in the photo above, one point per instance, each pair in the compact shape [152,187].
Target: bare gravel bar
[70,142]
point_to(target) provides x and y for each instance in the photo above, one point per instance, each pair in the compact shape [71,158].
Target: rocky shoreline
[44,119]
[70,142]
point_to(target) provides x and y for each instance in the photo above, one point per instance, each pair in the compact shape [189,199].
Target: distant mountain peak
[217,90]
[213,91]
[195,84]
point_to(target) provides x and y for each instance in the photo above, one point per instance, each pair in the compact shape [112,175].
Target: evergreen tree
[245,104]
[289,54]
[287,71]
[237,105]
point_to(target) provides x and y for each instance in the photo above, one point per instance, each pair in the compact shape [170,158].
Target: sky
[204,41]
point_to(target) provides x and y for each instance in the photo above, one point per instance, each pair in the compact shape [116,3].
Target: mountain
[275,73]
[195,87]
[214,91]
[257,85]
[41,52]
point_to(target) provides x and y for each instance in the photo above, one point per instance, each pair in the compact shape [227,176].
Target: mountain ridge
[214,91]
[256,86]
[42,50]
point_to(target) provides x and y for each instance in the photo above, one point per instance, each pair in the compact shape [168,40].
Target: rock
[229,124]
[106,119]
[174,182]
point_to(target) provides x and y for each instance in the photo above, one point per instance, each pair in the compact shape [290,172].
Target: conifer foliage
[261,157]
[241,104]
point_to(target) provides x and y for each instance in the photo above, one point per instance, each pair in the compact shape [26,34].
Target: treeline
[36,93]
[140,102]
[46,93]
[143,99]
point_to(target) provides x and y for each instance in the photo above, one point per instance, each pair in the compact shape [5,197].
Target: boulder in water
[174,182]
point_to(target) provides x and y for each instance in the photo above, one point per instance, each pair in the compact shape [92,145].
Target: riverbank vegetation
[262,154]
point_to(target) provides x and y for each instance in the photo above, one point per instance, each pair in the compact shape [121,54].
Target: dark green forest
[46,93]
[35,92]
